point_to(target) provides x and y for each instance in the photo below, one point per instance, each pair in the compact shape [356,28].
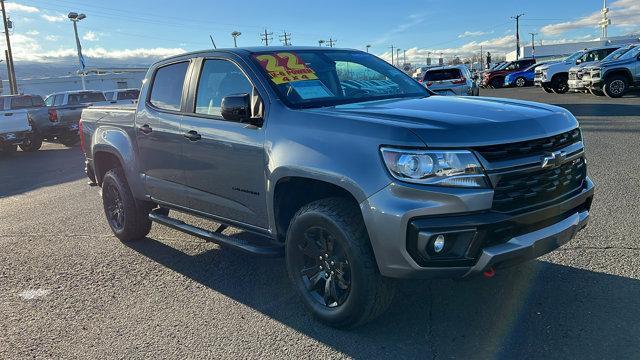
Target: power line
[285,38]
[266,37]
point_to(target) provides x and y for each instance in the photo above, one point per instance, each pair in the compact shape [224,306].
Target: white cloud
[52,37]
[91,36]
[471,34]
[54,18]
[413,20]
[15,7]
[623,13]
[33,32]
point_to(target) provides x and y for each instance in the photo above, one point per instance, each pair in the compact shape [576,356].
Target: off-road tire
[370,293]
[547,89]
[615,86]
[136,224]
[596,92]
[560,84]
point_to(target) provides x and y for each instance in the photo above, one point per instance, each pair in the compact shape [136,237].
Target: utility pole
[481,59]
[331,41]
[391,54]
[428,58]
[320,42]
[285,38]
[11,71]
[367,47]
[235,35]
[75,17]
[265,37]
[533,44]
[404,57]
[517,18]
[397,57]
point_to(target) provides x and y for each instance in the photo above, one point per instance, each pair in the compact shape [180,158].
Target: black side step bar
[267,250]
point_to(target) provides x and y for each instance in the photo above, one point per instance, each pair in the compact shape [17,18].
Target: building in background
[96,79]
[555,51]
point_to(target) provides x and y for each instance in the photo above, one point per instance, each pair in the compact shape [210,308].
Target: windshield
[616,54]
[574,57]
[128,95]
[633,52]
[314,78]
[86,98]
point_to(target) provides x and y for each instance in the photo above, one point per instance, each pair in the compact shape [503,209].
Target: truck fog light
[438,243]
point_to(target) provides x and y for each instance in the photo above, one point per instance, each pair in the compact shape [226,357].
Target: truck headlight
[457,168]
[595,73]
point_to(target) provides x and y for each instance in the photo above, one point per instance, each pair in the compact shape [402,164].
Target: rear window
[86,98]
[26,102]
[128,95]
[443,74]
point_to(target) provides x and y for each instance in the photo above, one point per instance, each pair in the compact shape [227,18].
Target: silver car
[450,80]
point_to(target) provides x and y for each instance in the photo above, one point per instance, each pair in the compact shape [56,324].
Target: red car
[495,78]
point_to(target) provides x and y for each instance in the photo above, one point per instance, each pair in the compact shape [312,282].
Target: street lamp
[235,35]
[75,17]
[320,42]
[367,46]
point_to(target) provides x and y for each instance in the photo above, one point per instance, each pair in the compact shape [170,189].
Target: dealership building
[555,51]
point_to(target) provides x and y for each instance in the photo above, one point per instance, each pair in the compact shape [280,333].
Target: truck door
[158,135]
[224,160]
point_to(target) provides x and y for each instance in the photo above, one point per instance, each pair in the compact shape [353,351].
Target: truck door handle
[193,135]
[8,114]
[145,129]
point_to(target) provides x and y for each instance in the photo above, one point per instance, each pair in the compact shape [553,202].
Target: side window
[166,91]
[218,79]
[109,95]
[57,101]
[49,100]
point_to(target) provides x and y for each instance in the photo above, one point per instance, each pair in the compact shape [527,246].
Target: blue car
[522,78]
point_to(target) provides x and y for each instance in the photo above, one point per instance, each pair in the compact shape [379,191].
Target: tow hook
[489,273]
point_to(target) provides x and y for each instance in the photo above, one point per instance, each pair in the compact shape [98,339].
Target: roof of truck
[255,49]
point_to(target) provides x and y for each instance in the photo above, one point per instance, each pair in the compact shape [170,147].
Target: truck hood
[616,62]
[442,121]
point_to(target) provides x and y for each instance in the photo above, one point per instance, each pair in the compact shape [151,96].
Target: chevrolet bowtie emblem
[554,159]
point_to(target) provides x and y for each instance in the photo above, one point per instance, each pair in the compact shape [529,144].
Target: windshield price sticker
[285,67]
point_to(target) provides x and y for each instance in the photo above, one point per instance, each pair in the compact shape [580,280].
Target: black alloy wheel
[114,207]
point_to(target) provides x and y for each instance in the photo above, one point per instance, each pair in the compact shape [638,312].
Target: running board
[267,250]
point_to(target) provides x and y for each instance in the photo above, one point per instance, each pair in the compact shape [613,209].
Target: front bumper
[399,212]
[577,85]
[13,138]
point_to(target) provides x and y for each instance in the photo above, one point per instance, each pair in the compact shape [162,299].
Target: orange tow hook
[489,273]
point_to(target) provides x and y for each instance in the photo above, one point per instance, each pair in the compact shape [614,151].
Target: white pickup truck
[15,125]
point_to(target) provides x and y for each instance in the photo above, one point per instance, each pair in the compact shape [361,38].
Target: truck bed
[119,116]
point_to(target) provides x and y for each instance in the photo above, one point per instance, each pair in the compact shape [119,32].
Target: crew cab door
[224,161]
[159,139]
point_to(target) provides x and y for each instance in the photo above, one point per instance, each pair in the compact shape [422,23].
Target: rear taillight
[429,83]
[459,81]
[420,81]
[53,115]
[81,134]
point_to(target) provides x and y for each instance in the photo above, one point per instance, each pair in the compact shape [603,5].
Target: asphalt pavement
[69,289]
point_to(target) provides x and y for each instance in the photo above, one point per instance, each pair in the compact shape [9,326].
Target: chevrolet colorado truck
[342,163]
[64,110]
[616,75]
[554,77]
[15,124]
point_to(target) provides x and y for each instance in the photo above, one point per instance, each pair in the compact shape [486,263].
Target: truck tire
[547,89]
[616,86]
[9,149]
[560,84]
[32,143]
[127,217]
[596,92]
[331,264]
[69,140]
[521,82]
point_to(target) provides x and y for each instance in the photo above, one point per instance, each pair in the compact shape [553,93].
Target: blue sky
[145,29]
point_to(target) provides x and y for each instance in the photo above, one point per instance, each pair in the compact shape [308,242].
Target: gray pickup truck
[614,76]
[344,164]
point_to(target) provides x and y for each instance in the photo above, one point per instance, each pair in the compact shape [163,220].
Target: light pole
[75,17]
[367,47]
[320,42]
[235,35]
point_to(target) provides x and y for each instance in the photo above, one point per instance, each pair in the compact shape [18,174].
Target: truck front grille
[528,148]
[573,76]
[514,192]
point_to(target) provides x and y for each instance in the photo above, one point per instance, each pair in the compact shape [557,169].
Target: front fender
[117,142]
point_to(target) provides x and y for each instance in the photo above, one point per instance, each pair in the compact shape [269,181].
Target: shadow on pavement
[600,109]
[536,310]
[25,171]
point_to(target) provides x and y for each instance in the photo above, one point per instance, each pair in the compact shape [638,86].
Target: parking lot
[69,289]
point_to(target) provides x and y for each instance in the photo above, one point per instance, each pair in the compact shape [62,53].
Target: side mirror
[578,62]
[236,107]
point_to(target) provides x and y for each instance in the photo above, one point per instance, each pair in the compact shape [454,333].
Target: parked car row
[27,120]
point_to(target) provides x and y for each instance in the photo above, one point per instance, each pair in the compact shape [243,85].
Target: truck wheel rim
[325,270]
[617,86]
[115,207]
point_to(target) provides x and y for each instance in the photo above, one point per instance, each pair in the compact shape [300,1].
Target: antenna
[213,42]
